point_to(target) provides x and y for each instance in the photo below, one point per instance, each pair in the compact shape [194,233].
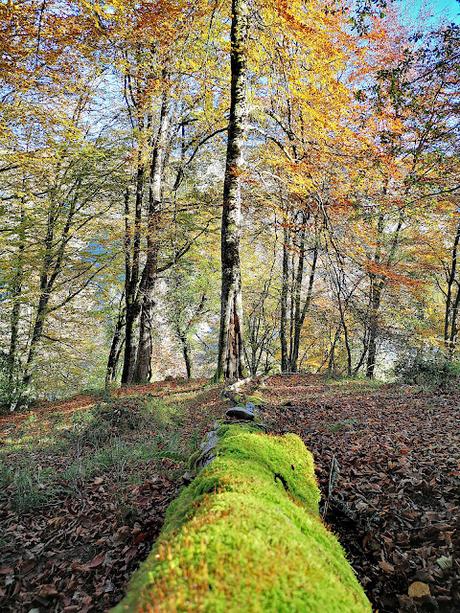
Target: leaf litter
[396,497]
[387,462]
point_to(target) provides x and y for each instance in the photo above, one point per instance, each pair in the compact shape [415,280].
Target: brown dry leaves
[396,503]
[394,506]
[77,552]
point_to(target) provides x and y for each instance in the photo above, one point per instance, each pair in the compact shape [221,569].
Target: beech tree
[322,142]
[230,351]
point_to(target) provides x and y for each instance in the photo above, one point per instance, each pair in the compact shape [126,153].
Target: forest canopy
[225,189]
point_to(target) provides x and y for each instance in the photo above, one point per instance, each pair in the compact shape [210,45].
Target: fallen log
[246,535]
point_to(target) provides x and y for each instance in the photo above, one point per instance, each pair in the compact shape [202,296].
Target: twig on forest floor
[333,477]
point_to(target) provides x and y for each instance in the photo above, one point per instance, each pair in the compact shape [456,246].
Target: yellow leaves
[418,589]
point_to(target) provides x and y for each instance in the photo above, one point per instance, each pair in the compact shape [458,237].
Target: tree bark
[143,368]
[16,299]
[300,312]
[298,281]
[230,350]
[187,356]
[452,301]
[376,295]
[132,272]
[115,348]
[51,269]
[284,301]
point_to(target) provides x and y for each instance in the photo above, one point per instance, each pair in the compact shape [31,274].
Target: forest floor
[84,486]
[392,453]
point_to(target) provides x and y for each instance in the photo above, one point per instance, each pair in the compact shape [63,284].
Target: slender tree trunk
[331,360]
[347,340]
[16,299]
[132,273]
[114,352]
[374,300]
[297,299]
[291,306]
[53,259]
[284,302]
[454,325]
[302,313]
[230,350]
[14,329]
[48,275]
[451,305]
[342,304]
[362,357]
[376,295]
[35,338]
[187,355]
[143,368]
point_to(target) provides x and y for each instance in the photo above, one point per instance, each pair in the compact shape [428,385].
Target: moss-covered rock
[246,536]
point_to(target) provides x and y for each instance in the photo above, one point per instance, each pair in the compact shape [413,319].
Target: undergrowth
[121,436]
[429,370]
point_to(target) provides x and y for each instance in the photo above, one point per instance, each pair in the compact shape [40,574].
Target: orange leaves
[391,275]
[155,22]
[44,43]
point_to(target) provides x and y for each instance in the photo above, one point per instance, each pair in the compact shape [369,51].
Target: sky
[448,10]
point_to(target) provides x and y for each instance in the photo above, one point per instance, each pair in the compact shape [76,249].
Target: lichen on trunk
[230,351]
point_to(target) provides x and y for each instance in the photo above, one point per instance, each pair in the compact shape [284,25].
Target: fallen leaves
[90,558]
[418,589]
[76,553]
[396,504]
[386,566]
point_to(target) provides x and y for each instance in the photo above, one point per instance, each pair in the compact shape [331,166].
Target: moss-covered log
[246,535]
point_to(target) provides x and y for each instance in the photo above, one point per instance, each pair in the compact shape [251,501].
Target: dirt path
[396,495]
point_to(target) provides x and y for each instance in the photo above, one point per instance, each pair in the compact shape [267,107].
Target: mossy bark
[246,535]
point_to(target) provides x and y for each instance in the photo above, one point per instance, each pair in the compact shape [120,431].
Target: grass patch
[120,437]
[256,399]
[352,384]
[340,425]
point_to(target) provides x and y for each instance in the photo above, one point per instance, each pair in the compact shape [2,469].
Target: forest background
[344,232]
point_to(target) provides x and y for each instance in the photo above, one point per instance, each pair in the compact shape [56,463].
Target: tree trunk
[300,319]
[292,265]
[298,281]
[187,356]
[230,351]
[452,303]
[331,359]
[143,369]
[454,325]
[132,273]
[16,299]
[300,314]
[53,259]
[35,338]
[114,352]
[284,302]
[375,299]
[376,294]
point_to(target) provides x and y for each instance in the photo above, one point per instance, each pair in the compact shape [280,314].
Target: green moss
[246,536]
[256,399]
